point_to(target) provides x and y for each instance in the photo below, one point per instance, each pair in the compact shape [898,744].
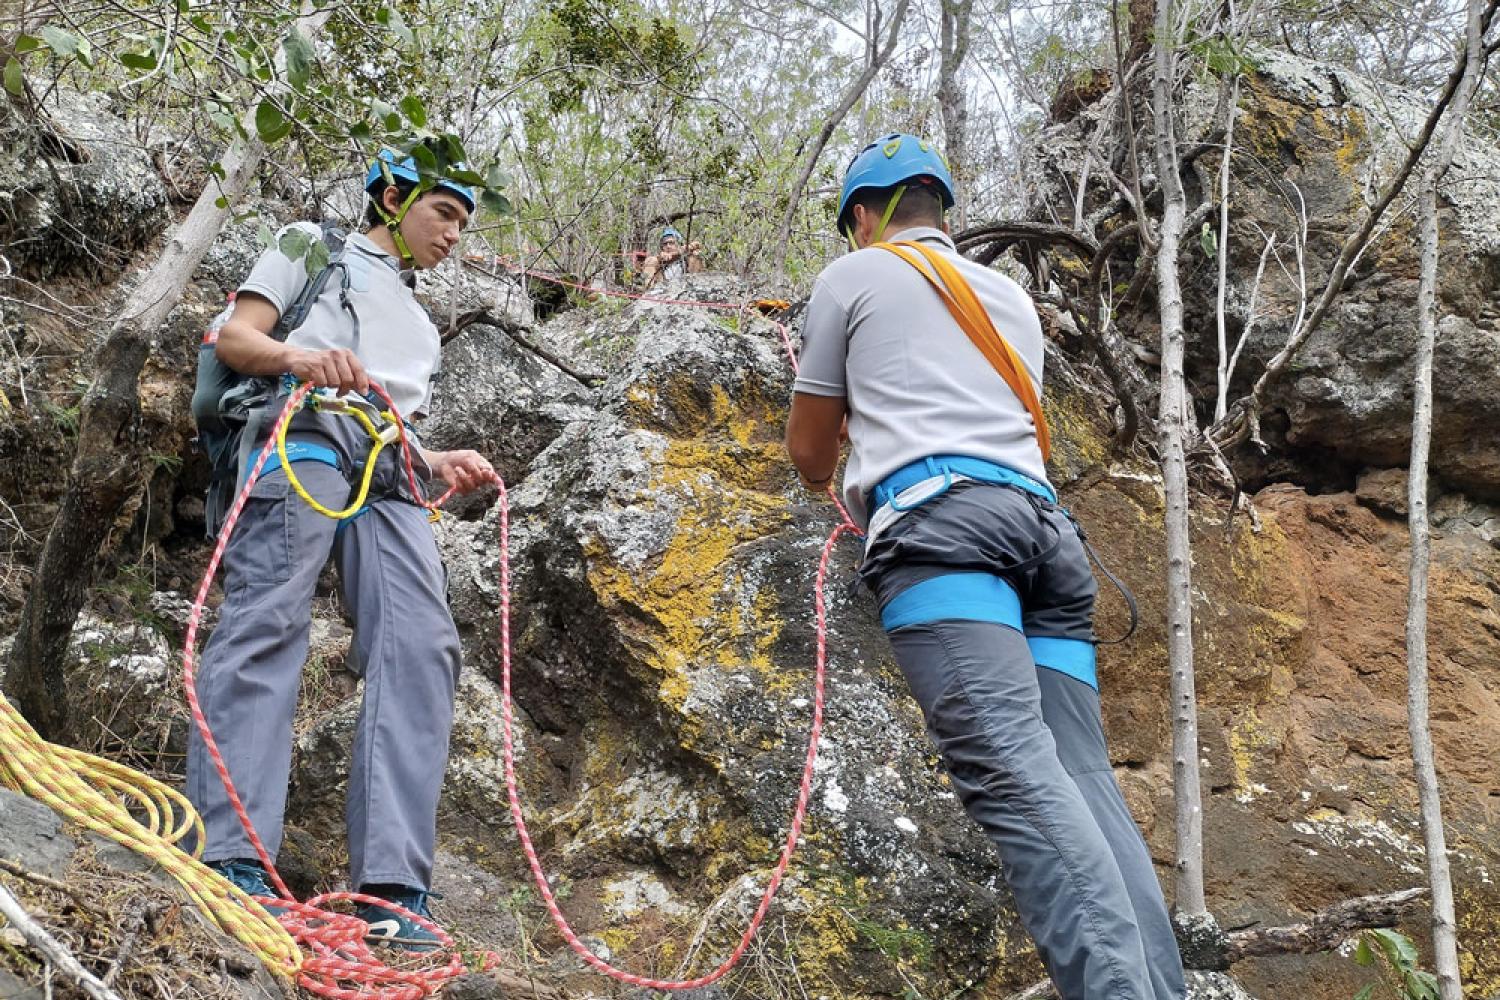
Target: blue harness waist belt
[949,466]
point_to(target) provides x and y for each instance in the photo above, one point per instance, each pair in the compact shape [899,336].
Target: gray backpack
[223,398]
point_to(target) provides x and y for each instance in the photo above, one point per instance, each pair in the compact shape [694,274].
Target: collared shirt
[397,343]
[877,334]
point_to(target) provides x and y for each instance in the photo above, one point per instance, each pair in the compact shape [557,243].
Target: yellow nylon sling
[975,321]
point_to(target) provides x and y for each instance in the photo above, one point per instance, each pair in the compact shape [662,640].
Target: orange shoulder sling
[971,316]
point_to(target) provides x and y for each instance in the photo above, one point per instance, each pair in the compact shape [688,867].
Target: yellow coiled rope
[99,794]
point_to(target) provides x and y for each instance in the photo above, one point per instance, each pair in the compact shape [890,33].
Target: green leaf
[426,160]
[317,258]
[27,43]
[270,124]
[138,60]
[495,177]
[299,59]
[1209,240]
[391,18]
[414,110]
[1421,985]
[393,122]
[14,81]
[1398,948]
[265,236]
[361,132]
[294,242]
[1366,993]
[1363,955]
[495,202]
[221,202]
[62,42]
[223,121]
[202,24]
[466,176]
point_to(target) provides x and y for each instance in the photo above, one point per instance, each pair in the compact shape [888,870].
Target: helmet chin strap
[885,220]
[393,222]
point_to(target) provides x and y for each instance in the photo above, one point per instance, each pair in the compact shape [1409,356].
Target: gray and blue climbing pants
[986,594]
[405,648]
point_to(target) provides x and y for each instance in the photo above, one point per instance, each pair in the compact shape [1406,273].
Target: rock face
[80,195]
[1319,141]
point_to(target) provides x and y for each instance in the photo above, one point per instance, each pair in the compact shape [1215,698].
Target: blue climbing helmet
[674,234]
[887,162]
[406,170]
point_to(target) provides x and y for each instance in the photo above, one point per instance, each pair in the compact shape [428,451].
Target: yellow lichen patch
[1251,741]
[1479,933]
[693,607]
[1071,426]
[1273,126]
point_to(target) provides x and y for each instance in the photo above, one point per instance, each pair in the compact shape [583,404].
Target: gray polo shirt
[877,334]
[398,345]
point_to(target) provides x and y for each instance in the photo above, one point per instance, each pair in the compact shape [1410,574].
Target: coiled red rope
[338,964]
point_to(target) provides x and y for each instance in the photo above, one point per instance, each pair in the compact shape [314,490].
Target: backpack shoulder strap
[335,239]
[974,320]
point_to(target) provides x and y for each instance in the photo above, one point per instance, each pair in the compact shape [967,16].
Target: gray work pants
[405,647]
[1022,742]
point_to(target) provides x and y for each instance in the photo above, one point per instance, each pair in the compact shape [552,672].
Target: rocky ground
[663,561]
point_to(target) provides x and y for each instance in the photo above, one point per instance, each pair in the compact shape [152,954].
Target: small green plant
[1393,956]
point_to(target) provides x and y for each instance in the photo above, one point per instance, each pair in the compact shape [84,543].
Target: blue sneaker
[389,926]
[247,875]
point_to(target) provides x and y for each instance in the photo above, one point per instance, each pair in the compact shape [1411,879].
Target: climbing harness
[393,431]
[223,398]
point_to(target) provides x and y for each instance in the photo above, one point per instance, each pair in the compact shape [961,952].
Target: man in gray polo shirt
[983,582]
[364,326]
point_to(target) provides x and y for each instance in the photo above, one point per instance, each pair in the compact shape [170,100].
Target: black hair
[920,205]
[373,207]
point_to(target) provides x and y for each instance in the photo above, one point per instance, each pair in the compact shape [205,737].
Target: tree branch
[36,935]
[1326,929]
[831,122]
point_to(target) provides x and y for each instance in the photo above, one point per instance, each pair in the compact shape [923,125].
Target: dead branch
[1008,234]
[483,317]
[51,949]
[1326,929]
[42,880]
[136,916]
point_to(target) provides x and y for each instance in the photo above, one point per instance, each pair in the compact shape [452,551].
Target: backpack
[223,398]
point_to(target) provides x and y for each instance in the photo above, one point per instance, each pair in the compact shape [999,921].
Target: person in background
[672,260]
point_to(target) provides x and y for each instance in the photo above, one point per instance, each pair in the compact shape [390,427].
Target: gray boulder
[80,194]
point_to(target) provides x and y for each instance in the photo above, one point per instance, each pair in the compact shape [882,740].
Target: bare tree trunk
[1175,424]
[953,43]
[1226,367]
[106,465]
[1418,720]
[878,59]
[1418,716]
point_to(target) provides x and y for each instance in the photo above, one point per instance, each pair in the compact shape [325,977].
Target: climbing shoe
[247,875]
[388,925]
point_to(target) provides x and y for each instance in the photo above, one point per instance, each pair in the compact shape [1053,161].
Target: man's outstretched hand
[464,470]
